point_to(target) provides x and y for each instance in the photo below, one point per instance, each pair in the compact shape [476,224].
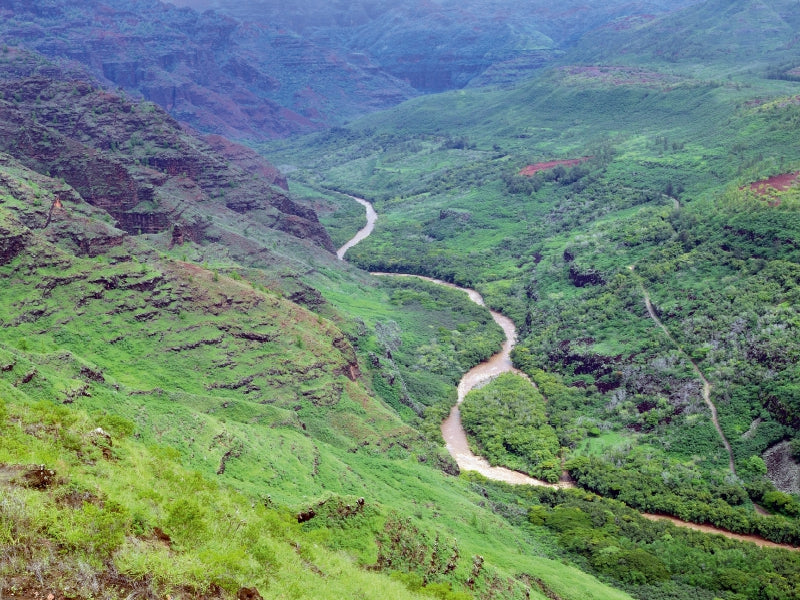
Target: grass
[604,444]
[230,410]
[103,514]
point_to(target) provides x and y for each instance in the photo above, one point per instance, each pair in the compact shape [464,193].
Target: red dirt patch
[544,166]
[629,22]
[776,183]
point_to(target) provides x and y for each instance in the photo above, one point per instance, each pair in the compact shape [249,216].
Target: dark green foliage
[508,421]
[651,559]
[443,335]
[645,486]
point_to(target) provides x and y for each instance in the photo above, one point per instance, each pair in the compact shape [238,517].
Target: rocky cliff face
[134,161]
[33,203]
[12,240]
[247,159]
[242,80]
[96,291]
[443,44]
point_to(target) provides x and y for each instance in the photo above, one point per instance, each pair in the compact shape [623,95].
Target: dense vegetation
[659,207]
[650,559]
[508,421]
[196,397]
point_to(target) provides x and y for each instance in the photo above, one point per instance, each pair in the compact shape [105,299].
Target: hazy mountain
[728,36]
[242,80]
[445,44]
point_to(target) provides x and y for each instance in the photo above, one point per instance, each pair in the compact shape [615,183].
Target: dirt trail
[456,438]
[758,541]
[706,385]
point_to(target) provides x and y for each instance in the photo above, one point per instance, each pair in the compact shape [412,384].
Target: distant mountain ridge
[442,45]
[257,71]
[740,34]
[244,81]
[261,70]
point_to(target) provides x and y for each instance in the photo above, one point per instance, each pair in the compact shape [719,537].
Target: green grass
[604,443]
[100,518]
[230,410]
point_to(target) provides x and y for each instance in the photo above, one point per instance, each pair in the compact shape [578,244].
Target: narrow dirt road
[706,385]
[758,541]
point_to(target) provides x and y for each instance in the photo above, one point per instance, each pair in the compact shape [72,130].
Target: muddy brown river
[452,431]
[363,233]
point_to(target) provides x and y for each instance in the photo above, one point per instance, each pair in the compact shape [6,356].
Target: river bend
[452,430]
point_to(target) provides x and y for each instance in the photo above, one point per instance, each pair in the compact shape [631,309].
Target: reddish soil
[544,166]
[776,183]
[759,541]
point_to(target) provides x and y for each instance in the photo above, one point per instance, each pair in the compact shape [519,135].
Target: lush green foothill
[508,421]
[122,518]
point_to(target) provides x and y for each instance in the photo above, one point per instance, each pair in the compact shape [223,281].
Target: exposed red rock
[776,183]
[134,161]
[544,166]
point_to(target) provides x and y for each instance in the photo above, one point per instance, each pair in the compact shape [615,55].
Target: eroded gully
[452,430]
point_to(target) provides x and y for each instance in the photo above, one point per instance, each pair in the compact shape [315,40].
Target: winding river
[452,430]
[364,232]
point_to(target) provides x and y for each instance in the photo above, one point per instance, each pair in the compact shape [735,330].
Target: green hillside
[658,206]
[176,422]
[716,38]
[197,400]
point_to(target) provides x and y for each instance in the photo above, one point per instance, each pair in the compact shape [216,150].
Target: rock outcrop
[241,79]
[134,161]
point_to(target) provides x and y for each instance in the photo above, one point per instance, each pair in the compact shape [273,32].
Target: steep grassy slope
[230,412]
[113,517]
